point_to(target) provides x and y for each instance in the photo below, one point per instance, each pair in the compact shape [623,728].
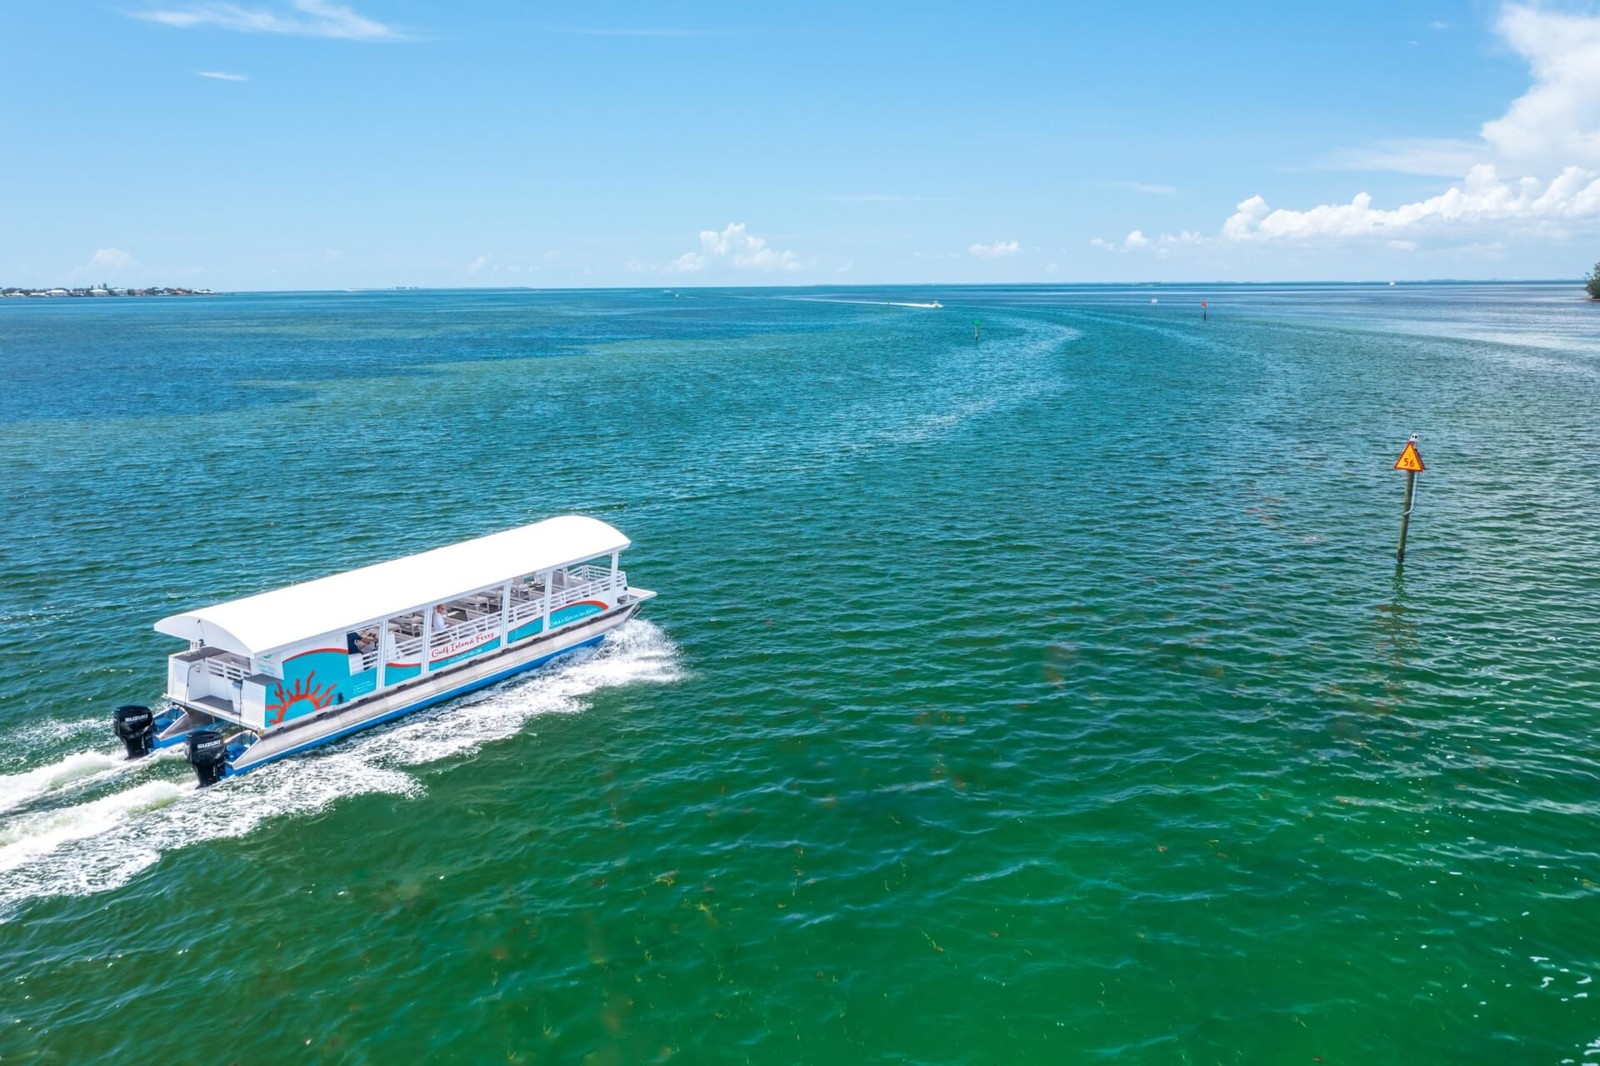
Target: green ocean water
[1049,695]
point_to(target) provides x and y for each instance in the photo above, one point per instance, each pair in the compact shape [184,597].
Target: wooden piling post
[1411,462]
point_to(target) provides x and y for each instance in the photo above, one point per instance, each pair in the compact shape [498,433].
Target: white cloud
[220,75]
[1557,121]
[687,263]
[304,18]
[1137,241]
[1145,187]
[1433,156]
[1553,127]
[1555,124]
[1483,197]
[734,246]
[111,259]
[478,264]
[997,250]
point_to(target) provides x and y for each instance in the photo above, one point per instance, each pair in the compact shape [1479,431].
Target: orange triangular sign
[1410,459]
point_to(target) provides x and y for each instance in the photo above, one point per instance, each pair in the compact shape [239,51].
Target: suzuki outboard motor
[137,728]
[208,754]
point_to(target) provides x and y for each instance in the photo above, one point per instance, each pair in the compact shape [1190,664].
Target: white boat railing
[471,632]
[569,587]
[215,675]
[230,670]
[527,603]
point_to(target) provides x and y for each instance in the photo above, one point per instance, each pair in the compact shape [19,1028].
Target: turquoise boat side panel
[535,626]
[314,681]
[399,672]
[490,645]
[581,609]
[320,678]
[428,702]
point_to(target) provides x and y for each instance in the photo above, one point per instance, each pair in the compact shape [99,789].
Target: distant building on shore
[103,290]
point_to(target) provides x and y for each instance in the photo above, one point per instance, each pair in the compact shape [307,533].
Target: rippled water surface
[1049,695]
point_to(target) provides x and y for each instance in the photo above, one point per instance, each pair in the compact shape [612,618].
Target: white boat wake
[75,769]
[929,306]
[102,844]
[26,839]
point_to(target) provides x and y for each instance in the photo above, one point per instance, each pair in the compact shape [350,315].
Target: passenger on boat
[360,643]
[441,620]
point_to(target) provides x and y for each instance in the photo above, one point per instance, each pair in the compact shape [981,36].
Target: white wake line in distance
[866,303]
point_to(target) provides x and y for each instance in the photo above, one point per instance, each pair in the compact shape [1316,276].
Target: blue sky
[288,144]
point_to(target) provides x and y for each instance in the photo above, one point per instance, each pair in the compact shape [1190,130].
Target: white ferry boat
[277,673]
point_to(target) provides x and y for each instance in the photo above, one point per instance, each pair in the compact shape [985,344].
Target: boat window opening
[464,624]
[208,677]
[405,638]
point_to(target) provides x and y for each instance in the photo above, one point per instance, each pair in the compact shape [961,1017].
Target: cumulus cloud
[1483,197]
[1554,127]
[1557,121]
[478,264]
[1135,241]
[303,18]
[111,259]
[734,246]
[997,250]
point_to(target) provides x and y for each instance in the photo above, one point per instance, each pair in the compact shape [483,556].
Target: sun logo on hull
[305,691]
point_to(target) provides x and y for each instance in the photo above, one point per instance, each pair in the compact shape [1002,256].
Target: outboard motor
[208,754]
[137,728]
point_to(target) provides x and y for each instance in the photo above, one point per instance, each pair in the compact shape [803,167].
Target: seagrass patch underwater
[1036,692]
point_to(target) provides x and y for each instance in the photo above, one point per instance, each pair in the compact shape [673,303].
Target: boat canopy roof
[272,620]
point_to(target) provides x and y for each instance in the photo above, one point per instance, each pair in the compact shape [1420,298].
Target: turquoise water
[1050,696]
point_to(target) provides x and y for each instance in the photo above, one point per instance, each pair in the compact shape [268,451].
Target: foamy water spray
[101,845]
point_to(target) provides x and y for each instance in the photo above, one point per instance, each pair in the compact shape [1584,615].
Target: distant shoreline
[102,291]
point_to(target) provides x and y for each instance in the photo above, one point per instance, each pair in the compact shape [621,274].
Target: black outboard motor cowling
[136,726]
[208,754]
